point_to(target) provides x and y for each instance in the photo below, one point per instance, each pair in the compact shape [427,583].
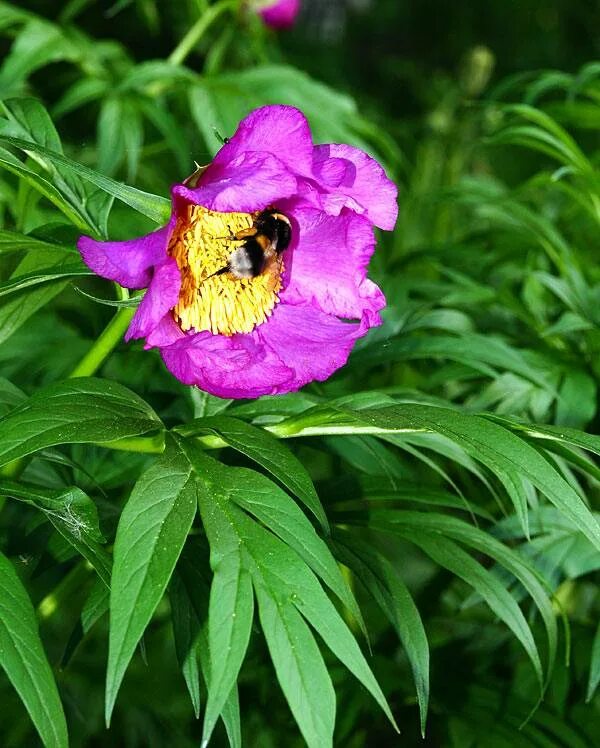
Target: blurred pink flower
[297,319]
[280,14]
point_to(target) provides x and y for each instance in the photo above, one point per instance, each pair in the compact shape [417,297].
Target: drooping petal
[250,182]
[161,296]
[328,267]
[130,262]
[311,343]
[297,344]
[277,129]
[355,180]
[237,366]
[281,14]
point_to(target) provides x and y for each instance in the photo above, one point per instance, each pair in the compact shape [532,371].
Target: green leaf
[497,448]
[549,435]
[44,187]
[273,507]
[300,669]
[482,352]
[594,678]
[156,208]
[73,514]
[13,241]
[15,312]
[38,44]
[151,533]
[191,571]
[76,411]
[230,613]
[260,446]
[411,523]
[282,581]
[28,120]
[22,657]
[448,554]
[10,396]
[383,582]
[186,628]
[20,282]
[222,101]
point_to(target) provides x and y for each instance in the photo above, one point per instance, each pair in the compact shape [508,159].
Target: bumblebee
[263,243]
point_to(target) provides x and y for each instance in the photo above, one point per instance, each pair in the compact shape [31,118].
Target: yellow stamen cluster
[201,244]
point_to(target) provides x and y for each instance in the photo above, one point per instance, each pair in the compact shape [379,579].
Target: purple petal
[282,14]
[311,343]
[236,366]
[353,179]
[129,263]
[159,299]
[250,182]
[165,333]
[280,130]
[297,344]
[328,266]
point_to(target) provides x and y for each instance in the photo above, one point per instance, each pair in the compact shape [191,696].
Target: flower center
[201,244]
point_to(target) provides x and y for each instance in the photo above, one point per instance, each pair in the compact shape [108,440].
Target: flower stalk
[198,30]
[106,342]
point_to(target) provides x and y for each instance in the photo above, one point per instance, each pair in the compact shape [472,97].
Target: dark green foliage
[415,541]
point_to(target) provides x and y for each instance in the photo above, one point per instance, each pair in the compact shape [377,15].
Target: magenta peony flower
[241,331]
[280,14]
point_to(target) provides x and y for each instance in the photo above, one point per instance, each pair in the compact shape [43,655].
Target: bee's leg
[225,269]
[245,233]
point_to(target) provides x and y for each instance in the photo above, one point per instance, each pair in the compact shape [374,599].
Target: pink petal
[311,343]
[161,296]
[296,345]
[277,129]
[355,180]
[128,263]
[250,182]
[236,366]
[328,267]
[281,14]
[165,333]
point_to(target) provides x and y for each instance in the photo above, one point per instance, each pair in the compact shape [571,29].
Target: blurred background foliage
[488,118]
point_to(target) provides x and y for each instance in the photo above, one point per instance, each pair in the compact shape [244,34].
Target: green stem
[198,30]
[109,338]
[156,444]
[143,444]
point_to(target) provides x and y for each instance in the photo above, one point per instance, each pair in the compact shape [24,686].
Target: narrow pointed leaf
[151,533]
[154,207]
[496,447]
[76,411]
[594,678]
[263,448]
[268,503]
[383,582]
[300,669]
[483,542]
[230,612]
[24,660]
[280,573]
[73,514]
[186,628]
[449,555]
